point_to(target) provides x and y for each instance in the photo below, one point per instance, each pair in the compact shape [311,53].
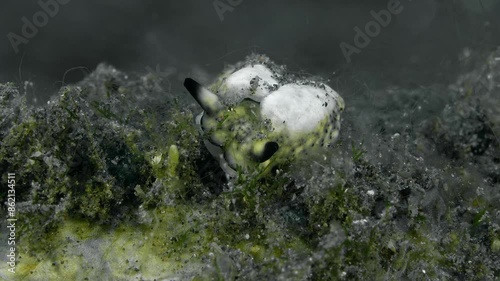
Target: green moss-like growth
[114,183]
[66,155]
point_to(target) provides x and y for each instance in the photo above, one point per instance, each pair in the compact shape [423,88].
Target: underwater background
[113,182]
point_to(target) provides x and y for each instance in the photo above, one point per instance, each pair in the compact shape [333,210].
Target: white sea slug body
[257,116]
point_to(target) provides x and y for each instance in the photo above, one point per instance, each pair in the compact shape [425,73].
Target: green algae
[148,251]
[119,189]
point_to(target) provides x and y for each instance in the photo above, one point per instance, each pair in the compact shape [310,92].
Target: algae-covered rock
[113,183]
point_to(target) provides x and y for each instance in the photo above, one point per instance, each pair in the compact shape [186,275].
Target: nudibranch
[257,115]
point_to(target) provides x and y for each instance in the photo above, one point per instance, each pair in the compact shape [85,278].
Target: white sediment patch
[252,81]
[299,108]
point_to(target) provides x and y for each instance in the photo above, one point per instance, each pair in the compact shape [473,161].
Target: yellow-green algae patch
[159,249]
[169,243]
